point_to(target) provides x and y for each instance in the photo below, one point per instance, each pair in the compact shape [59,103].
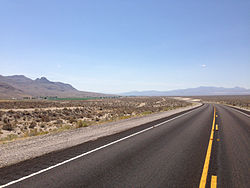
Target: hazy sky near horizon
[115,46]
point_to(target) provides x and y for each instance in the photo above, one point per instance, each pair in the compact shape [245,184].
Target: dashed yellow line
[214,182]
[209,149]
[217,127]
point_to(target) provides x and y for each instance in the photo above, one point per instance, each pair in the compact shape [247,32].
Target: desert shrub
[6,120]
[32,125]
[45,118]
[8,127]
[59,121]
[38,120]
[146,113]
[54,114]
[11,112]
[72,119]
[33,132]
[26,113]
[89,115]
[17,116]
[36,111]
[66,112]
[81,123]
[77,110]
[43,125]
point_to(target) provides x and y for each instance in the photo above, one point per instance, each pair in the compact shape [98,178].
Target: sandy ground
[21,150]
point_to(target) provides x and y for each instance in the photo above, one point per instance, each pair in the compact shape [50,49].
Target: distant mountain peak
[19,86]
[43,79]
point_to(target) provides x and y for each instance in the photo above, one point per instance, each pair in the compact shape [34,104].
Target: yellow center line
[214,182]
[209,149]
[217,127]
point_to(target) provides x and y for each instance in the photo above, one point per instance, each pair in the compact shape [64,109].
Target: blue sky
[114,46]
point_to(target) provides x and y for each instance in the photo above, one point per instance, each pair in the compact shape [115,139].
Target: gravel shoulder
[21,150]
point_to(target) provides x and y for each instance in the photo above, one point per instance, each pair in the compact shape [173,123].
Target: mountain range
[199,91]
[19,86]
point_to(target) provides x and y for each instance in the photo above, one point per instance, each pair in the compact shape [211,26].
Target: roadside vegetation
[30,118]
[242,101]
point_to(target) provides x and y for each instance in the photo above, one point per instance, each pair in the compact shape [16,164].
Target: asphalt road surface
[205,147]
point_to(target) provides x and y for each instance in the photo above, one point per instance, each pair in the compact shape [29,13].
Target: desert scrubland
[242,101]
[19,119]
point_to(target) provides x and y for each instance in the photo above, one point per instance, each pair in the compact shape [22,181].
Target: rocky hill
[19,86]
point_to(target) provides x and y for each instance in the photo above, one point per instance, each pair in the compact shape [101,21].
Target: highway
[205,147]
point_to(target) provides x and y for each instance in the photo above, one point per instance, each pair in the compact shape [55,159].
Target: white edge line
[91,151]
[239,111]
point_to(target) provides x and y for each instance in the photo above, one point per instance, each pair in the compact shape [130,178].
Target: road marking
[214,182]
[92,151]
[217,127]
[216,115]
[218,139]
[239,111]
[209,149]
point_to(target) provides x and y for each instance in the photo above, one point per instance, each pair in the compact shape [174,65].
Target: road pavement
[205,147]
